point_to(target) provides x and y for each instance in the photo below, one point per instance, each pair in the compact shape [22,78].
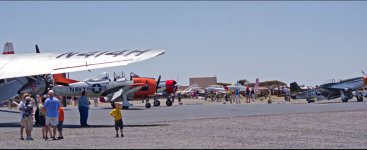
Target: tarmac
[200,124]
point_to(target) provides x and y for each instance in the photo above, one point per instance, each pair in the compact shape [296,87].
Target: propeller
[158,81]
[364,73]
[37,49]
[176,87]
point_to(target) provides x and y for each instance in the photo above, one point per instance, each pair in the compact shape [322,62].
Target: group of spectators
[50,113]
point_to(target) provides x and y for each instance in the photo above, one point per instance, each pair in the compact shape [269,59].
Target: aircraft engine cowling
[170,86]
[147,90]
[34,87]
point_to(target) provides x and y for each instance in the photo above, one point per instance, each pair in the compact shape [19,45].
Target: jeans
[83,115]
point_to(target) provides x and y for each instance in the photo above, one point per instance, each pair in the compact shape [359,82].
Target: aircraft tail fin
[8,48]
[295,88]
[61,79]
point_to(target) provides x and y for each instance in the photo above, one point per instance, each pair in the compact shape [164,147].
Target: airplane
[194,87]
[132,90]
[235,86]
[219,88]
[332,89]
[162,89]
[20,68]
[120,88]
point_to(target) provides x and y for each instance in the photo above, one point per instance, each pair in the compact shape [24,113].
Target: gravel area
[313,130]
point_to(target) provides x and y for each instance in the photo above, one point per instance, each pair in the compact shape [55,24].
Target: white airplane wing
[20,65]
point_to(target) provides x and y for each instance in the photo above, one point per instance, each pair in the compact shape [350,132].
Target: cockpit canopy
[100,77]
[331,81]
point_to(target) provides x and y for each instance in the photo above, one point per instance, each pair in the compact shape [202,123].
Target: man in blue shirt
[51,105]
[83,109]
[238,101]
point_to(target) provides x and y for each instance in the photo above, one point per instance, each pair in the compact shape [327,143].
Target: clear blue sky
[307,41]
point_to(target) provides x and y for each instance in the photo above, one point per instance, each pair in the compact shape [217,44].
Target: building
[203,81]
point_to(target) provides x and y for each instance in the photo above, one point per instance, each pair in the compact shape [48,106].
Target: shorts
[42,120]
[54,121]
[59,126]
[27,122]
[119,124]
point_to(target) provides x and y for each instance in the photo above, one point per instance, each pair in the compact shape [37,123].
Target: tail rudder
[61,79]
[8,48]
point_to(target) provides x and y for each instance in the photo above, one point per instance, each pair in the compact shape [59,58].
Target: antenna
[37,49]
[114,76]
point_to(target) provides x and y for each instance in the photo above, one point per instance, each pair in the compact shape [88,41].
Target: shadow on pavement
[9,111]
[17,125]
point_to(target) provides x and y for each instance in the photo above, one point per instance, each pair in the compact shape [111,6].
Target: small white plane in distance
[31,67]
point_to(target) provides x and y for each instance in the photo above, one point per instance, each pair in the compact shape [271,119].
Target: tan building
[203,81]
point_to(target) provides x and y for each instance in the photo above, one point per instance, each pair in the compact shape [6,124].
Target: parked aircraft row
[19,75]
[334,89]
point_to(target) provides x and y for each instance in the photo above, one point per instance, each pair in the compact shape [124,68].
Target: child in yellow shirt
[116,113]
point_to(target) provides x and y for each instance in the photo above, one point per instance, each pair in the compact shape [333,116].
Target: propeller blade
[37,49]
[364,73]
[158,81]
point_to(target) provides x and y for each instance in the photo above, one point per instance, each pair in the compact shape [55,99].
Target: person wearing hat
[26,112]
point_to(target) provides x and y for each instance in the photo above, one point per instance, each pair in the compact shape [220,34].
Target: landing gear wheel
[359,97]
[344,100]
[169,103]
[125,107]
[157,103]
[147,105]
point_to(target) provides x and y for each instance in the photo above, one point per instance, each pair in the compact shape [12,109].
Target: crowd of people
[49,115]
[234,95]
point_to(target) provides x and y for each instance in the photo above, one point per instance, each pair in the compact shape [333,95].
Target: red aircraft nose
[170,86]
[365,80]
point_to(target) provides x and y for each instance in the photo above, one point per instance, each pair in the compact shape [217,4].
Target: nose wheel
[169,102]
[157,103]
[147,105]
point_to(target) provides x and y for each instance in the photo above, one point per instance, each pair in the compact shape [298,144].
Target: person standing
[37,112]
[61,122]
[26,110]
[52,105]
[22,121]
[42,117]
[238,96]
[95,100]
[248,94]
[83,103]
[117,115]
[253,95]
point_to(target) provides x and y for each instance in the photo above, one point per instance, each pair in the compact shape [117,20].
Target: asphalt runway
[206,125]
[139,115]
